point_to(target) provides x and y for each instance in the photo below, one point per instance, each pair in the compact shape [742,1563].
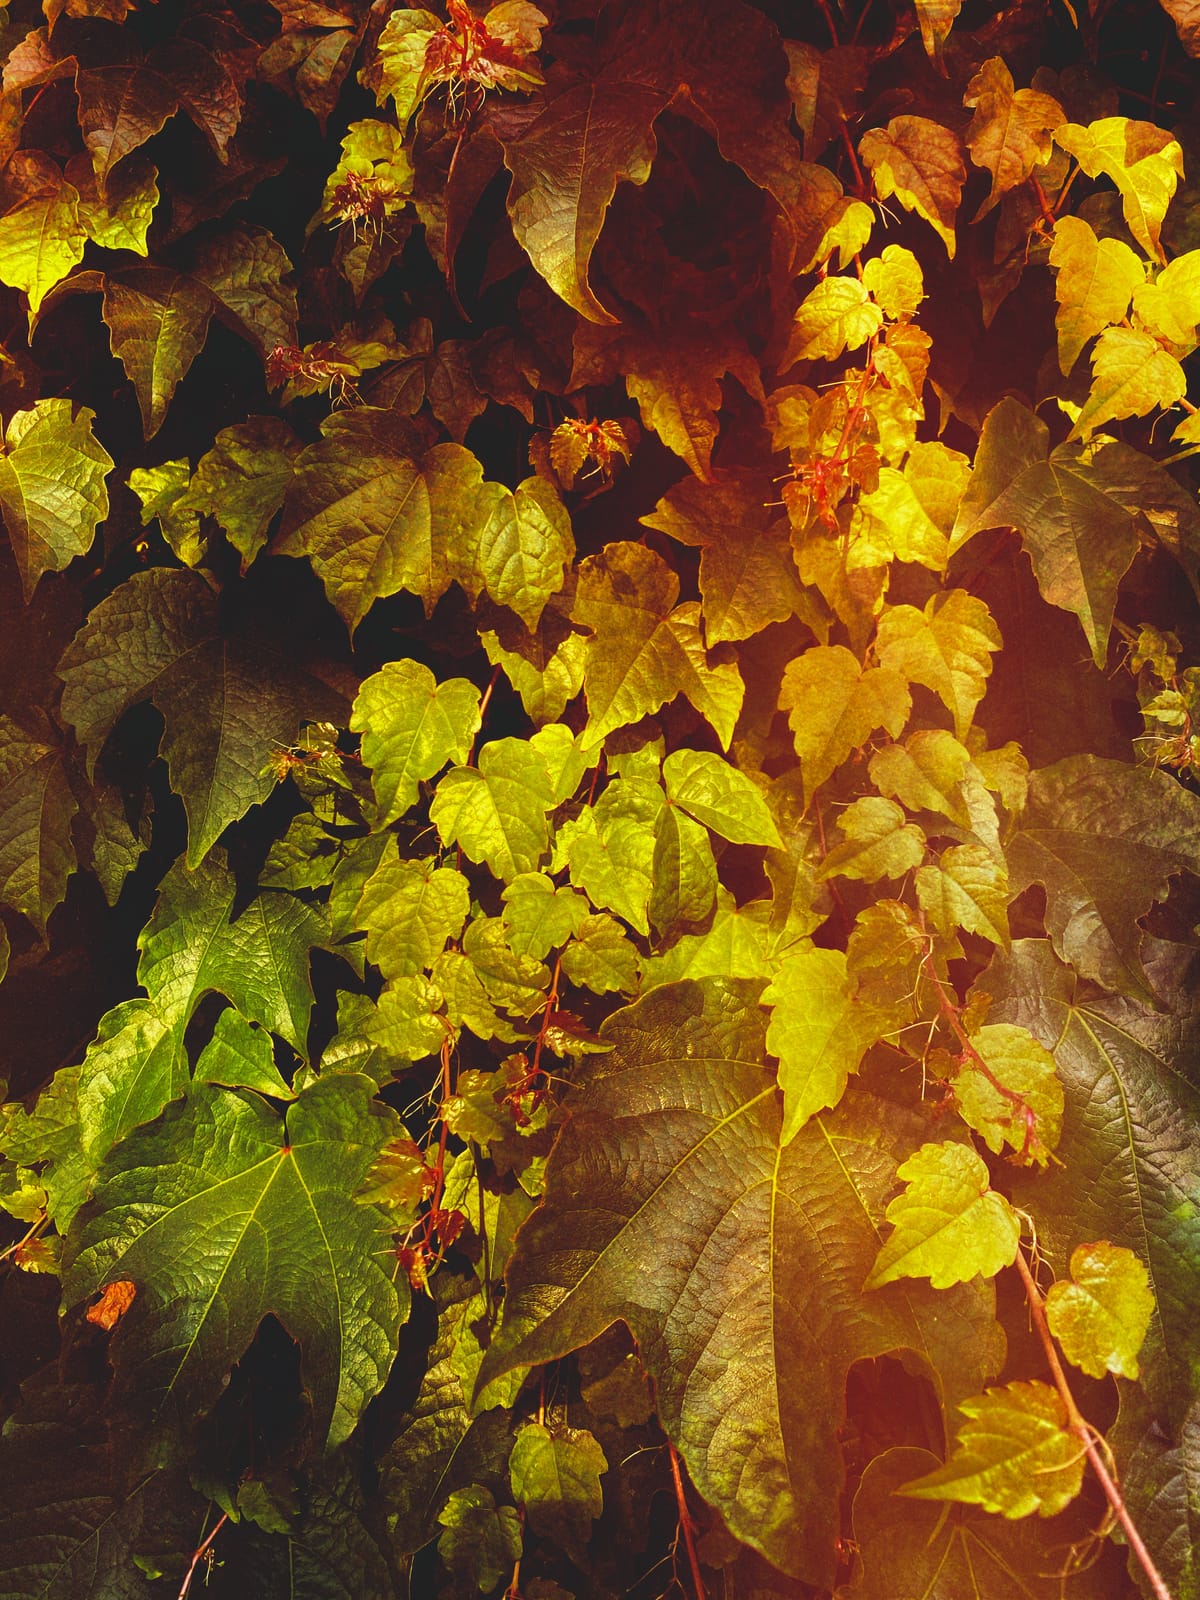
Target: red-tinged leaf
[120,107]
[920,162]
[244,271]
[206,89]
[158,322]
[115,1300]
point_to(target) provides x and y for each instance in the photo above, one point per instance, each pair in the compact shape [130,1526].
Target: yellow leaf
[1095,278]
[41,239]
[1169,308]
[1010,130]
[836,316]
[895,281]
[1144,162]
[1131,374]
[921,163]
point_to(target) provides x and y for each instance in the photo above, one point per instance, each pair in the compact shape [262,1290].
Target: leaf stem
[1086,1434]
[685,1524]
[198,1556]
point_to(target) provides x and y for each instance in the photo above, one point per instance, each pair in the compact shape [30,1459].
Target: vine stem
[198,1556]
[1084,1433]
[685,1524]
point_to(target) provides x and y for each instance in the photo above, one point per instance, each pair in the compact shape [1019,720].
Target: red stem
[198,1556]
[685,1524]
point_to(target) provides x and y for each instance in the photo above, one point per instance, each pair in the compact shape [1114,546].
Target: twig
[1086,1435]
[198,1556]
[685,1524]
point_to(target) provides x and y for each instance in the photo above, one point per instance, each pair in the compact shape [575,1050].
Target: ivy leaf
[53,493]
[1144,162]
[120,107]
[1101,1314]
[556,1478]
[1010,130]
[120,218]
[834,704]
[949,1224]
[817,1031]
[1080,537]
[197,939]
[890,523]
[645,649]
[482,1540]
[524,546]
[411,727]
[161,490]
[1127,1120]
[133,1068]
[967,888]
[491,813]
[244,271]
[609,849]
[409,910]
[158,322]
[242,481]
[683,874]
[241,1056]
[545,667]
[172,1213]
[1169,308]
[601,957]
[566,164]
[877,841]
[228,704]
[1131,375]
[669,1170]
[935,19]
[1094,282]
[539,917]
[36,808]
[1019,1066]
[925,773]
[895,281]
[720,796]
[836,316]
[41,239]
[1014,1455]
[1160,1480]
[921,163]
[1103,838]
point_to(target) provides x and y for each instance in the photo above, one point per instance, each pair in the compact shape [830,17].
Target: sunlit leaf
[949,1224]
[53,491]
[1101,1314]
[1144,162]
[411,727]
[1010,128]
[920,162]
[1094,281]
[1015,1097]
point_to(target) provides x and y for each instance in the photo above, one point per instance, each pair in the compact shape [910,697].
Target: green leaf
[494,813]
[219,1216]
[241,482]
[877,841]
[683,872]
[482,1540]
[949,1225]
[120,218]
[1160,1482]
[817,1031]
[411,727]
[1131,375]
[1010,128]
[244,271]
[836,316]
[161,490]
[920,162]
[241,1056]
[834,704]
[1128,1123]
[1079,534]
[1018,1066]
[1095,279]
[947,647]
[524,546]
[41,239]
[669,1175]
[158,322]
[540,918]
[36,806]
[645,649]
[1103,838]
[556,1479]
[609,849]
[1144,162]
[601,958]
[966,888]
[720,796]
[1101,1314]
[402,47]
[1014,1455]
[410,909]
[229,705]
[48,1137]
[52,487]
[133,1068]
[544,667]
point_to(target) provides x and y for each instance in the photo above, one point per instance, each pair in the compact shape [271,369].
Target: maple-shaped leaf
[158,322]
[566,162]
[683,873]
[121,106]
[544,666]
[482,1540]
[644,648]
[1103,838]
[834,704]
[747,574]
[1128,1120]
[228,704]
[1169,305]
[37,854]
[171,1213]
[601,957]
[949,1224]
[133,1068]
[496,812]
[1160,1479]
[947,646]
[890,523]
[967,888]
[375,516]
[1101,1314]
[411,726]
[1094,282]
[540,917]
[925,773]
[1014,1455]
[920,162]
[720,796]
[1009,1092]
[946,1551]
[895,282]
[244,272]
[240,1055]
[836,316]
[53,492]
[556,1476]
[42,237]
[242,481]
[521,549]
[878,841]
[818,1032]
[1144,162]
[1131,375]
[669,1171]
[1080,537]
[409,909]
[1010,128]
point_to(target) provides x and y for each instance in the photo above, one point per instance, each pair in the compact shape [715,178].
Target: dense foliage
[598,799]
